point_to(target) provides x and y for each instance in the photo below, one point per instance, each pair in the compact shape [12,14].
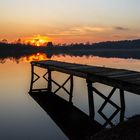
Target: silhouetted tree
[4,41]
[49,45]
[18,41]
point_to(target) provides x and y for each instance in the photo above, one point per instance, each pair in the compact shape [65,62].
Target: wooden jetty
[124,80]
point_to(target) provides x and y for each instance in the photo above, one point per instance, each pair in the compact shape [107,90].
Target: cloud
[119,28]
[89,29]
[79,30]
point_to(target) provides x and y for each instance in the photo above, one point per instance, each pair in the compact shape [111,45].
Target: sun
[37,40]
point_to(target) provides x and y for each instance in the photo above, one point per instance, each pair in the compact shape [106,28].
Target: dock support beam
[90,100]
[49,81]
[122,104]
[71,89]
[32,77]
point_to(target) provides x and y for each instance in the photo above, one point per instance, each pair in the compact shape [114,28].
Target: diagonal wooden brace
[70,93]
[121,108]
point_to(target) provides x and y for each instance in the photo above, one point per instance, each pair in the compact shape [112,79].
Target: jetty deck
[119,78]
[124,80]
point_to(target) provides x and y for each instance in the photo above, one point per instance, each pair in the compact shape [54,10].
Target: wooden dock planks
[119,78]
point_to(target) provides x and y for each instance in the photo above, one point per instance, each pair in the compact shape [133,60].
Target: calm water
[22,118]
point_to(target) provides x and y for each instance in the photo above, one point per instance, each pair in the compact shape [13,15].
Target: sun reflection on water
[34,57]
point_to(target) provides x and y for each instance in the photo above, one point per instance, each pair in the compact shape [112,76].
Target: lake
[22,118]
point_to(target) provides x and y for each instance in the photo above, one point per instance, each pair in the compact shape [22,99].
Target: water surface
[22,118]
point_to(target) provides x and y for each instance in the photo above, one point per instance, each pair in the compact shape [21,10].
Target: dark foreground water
[21,118]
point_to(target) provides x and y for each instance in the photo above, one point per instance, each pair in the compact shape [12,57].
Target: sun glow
[34,57]
[37,40]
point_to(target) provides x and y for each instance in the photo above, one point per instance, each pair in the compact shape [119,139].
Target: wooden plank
[95,70]
[132,78]
[124,85]
[69,71]
[133,81]
[120,78]
[77,67]
[58,64]
[115,73]
[64,65]
[136,82]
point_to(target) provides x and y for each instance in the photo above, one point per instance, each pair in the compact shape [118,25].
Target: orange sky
[70,21]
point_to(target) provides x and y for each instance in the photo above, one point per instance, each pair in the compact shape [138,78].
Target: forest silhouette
[121,49]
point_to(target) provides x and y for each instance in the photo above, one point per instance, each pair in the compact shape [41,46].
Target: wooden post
[32,77]
[71,89]
[90,100]
[122,103]
[49,81]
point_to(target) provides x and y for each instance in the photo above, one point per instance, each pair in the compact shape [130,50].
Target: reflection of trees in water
[27,58]
[77,53]
[2,61]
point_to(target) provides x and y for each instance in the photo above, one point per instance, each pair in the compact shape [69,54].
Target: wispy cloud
[85,29]
[80,30]
[121,28]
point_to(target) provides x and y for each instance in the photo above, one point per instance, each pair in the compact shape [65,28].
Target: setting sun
[37,40]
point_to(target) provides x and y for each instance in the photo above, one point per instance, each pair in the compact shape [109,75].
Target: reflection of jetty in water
[92,74]
[73,122]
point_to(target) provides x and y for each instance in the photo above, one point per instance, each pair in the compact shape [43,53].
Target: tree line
[19,49]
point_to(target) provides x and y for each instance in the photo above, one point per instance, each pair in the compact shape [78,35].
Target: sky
[70,21]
